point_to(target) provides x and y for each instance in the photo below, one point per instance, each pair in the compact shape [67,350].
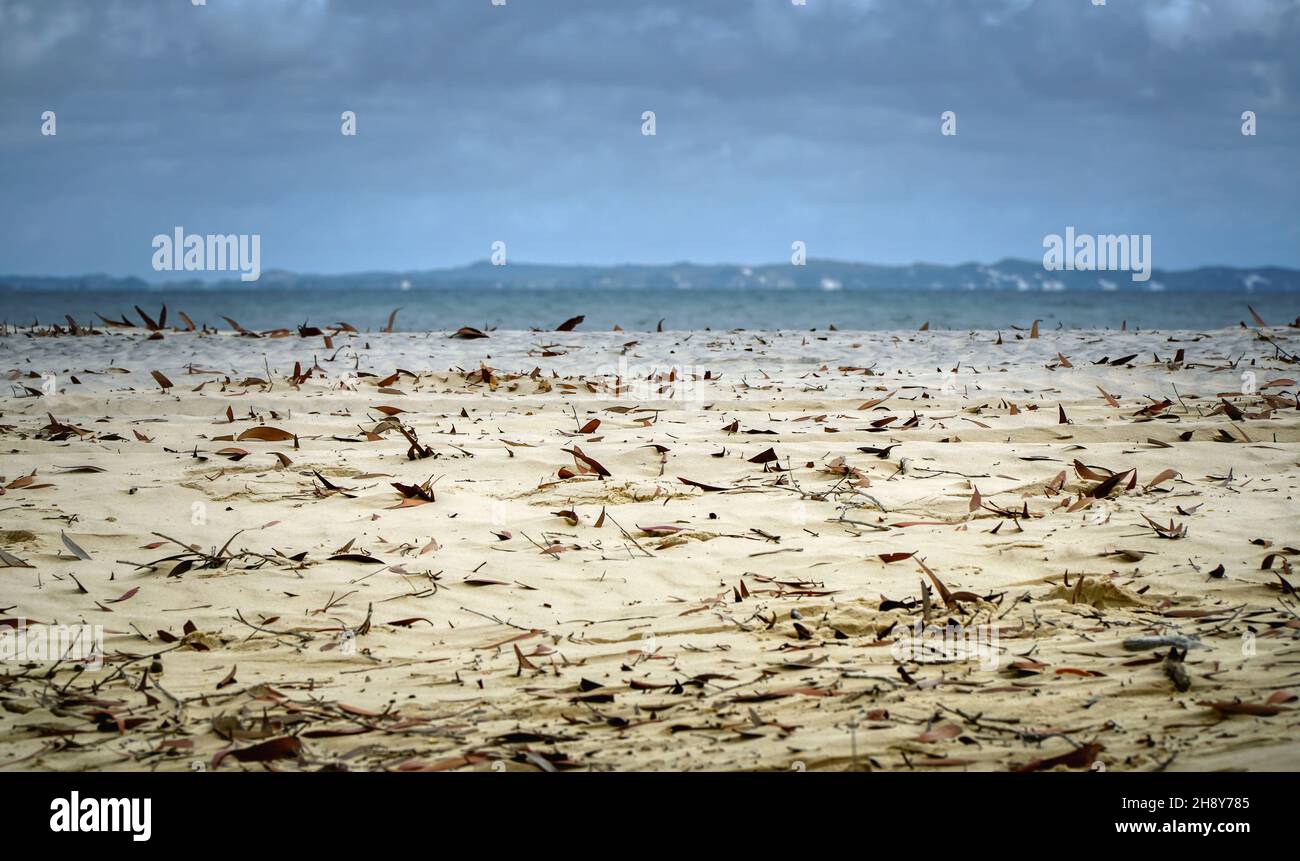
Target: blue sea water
[642,309]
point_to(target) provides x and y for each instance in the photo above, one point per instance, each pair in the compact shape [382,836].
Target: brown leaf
[265,434]
[872,404]
[1091,474]
[591,462]
[524,663]
[229,679]
[948,598]
[1236,708]
[1082,757]
[1164,476]
[942,732]
[286,747]
[125,596]
[705,487]
[406,623]
[1103,489]
[1127,555]
[421,492]
[660,530]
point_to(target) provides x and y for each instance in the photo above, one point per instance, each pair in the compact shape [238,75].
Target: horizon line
[220,275]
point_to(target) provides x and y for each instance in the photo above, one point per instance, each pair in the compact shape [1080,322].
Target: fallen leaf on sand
[1239,708]
[74,548]
[1082,757]
[265,434]
[287,747]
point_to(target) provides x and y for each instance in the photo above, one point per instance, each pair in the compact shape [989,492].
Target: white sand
[691,677]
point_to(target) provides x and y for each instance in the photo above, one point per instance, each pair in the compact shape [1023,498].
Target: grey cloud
[775,122]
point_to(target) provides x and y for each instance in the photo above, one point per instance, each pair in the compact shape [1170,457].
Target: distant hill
[816,275]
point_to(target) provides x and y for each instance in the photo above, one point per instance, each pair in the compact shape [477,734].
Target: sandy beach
[654,550]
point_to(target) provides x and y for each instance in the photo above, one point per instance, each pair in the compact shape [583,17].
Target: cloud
[773,119]
[1174,23]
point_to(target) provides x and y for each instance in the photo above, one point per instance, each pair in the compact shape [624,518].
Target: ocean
[424,309]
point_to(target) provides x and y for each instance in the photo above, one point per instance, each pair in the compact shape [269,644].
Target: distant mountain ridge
[1007,274]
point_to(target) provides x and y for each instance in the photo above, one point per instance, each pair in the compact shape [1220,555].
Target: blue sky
[522,123]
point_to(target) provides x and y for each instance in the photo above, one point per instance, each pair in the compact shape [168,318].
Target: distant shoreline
[821,275]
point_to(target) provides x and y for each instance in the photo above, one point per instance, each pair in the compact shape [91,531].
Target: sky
[523,123]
